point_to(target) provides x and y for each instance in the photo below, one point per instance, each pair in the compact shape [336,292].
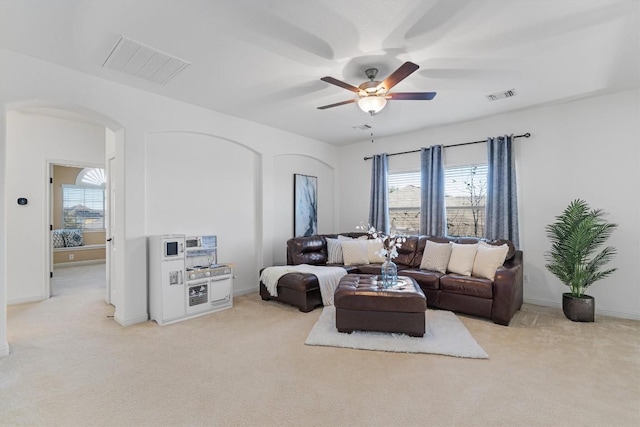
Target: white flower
[390,242]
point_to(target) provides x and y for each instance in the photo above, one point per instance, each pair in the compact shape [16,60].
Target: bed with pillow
[465,275]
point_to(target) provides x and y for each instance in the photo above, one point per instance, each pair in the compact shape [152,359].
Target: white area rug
[445,334]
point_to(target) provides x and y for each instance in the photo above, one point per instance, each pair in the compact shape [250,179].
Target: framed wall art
[305,205]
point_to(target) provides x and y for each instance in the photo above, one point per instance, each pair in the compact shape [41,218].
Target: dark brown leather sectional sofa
[497,300]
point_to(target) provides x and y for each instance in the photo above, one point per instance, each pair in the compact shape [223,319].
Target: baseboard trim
[132,321]
[600,311]
[4,349]
[25,300]
[77,263]
[243,292]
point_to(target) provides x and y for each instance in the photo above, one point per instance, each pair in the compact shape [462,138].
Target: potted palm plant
[575,238]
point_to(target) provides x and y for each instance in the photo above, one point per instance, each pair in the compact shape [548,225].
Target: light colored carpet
[72,365]
[445,335]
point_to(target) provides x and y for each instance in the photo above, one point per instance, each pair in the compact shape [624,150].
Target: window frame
[478,217]
[82,224]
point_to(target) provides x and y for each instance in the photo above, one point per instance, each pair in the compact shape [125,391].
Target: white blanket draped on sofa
[328,278]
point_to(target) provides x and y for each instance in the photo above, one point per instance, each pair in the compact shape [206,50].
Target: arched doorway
[37,209]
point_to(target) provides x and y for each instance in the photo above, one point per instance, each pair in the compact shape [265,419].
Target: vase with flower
[390,244]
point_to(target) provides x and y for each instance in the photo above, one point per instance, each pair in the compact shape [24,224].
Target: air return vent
[501,95]
[132,57]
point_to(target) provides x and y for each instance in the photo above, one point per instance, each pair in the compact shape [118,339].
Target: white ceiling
[262,60]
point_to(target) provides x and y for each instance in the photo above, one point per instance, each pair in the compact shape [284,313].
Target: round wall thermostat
[22,201]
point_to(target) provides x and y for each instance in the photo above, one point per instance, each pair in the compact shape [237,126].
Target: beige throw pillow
[488,259]
[462,257]
[334,251]
[436,256]
[373,249]
[354,252]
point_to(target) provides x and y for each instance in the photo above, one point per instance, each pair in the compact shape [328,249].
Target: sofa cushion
[374,247]
[302,282]
[462,257]
[422,241]
[499,242]
[407,251]
[472,286]
[307,250]
[334,251]
[369,269]
[436,256]
[488,259]
[354,252]
[425,278]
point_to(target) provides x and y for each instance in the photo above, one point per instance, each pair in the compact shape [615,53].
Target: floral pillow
[73,237]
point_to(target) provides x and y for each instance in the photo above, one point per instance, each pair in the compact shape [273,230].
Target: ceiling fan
[373,95]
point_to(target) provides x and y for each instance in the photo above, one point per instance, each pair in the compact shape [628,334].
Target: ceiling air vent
[362,127]
[501,95]
[132,57]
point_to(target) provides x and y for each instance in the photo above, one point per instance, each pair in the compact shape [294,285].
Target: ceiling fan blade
[420,96]
[400,74]
[324,107]
[342,84]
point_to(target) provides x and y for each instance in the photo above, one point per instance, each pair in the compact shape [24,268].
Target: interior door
[50,229]
[111,230]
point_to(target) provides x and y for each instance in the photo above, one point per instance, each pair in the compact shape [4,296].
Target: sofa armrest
[507,290]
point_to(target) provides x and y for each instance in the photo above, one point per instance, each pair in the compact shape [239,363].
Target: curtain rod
[525,135]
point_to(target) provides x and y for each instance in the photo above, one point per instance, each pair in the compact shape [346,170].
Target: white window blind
[82,207]
[465,195]
[404,202]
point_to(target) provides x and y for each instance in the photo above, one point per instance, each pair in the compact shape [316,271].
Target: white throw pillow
[462,257]
[354,252]
[373,249]
[341,237]
[488,259]
[436,256]
[334,251]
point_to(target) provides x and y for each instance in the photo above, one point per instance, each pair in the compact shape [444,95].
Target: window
[465,195]
[404,202]
[82,207]
[83,203]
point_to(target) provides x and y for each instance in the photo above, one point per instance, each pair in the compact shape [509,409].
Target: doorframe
[110,220]
[49,226]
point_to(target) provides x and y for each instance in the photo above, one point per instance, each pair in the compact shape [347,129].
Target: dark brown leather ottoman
[362,305]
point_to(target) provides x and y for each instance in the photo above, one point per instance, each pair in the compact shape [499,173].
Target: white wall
[36,140]
[585,149]
[144,119]
[285,167]
[200,184]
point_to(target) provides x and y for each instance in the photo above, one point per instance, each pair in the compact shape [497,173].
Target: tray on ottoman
[362,305]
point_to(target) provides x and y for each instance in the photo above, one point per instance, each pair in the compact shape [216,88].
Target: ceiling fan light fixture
[372,104]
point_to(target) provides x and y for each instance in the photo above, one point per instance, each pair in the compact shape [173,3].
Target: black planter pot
[579,309]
